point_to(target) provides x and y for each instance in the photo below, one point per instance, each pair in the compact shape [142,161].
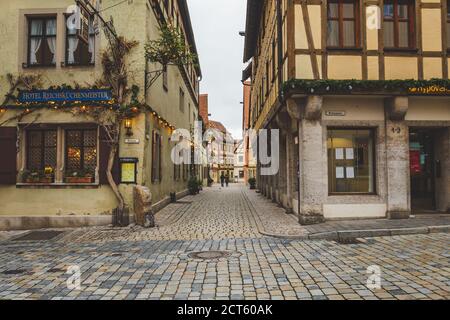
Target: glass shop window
[351,161]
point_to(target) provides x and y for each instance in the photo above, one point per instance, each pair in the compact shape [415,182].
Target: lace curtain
[51,41]
[35,43]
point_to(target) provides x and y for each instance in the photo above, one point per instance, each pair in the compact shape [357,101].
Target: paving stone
[153,263]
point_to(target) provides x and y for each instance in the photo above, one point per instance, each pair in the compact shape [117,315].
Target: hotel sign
[45,96]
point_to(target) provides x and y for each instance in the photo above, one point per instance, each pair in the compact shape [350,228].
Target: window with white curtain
[399,24]
[343,24]
[77,51]
[41,41]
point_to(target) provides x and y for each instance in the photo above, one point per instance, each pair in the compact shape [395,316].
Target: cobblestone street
[136,263]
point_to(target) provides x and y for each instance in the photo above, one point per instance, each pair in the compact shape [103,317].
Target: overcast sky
[216,26]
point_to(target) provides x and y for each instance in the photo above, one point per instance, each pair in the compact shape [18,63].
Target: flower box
[78,179]
[46,180]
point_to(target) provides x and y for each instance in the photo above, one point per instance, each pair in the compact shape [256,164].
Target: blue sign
[43,96]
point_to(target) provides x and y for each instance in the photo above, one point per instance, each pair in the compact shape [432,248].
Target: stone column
[283,120]
[313,186]
[291,171]
[397,159]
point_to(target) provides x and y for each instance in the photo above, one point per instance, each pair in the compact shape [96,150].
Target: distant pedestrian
[227,180]
[222,179]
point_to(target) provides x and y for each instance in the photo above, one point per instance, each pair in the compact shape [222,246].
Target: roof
[254,12]
[218,126]
[186,18]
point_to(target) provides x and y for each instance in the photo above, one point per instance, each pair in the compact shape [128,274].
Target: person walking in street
[222,179]
[227,180]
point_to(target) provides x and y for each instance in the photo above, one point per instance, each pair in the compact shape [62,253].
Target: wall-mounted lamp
[128,123]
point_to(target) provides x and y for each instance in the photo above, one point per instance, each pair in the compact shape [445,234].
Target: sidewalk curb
[337,235]
[373,233]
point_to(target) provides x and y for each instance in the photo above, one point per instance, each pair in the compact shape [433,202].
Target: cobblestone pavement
[412,267]
[135,263]
[214,214]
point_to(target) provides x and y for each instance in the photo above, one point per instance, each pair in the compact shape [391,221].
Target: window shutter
[160,158]
[153,156]
[104,150]
[8,168]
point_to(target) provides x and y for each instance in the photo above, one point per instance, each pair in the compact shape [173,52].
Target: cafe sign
[45,96]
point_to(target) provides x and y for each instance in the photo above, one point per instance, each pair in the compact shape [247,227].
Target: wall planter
[44,180]
[78,179]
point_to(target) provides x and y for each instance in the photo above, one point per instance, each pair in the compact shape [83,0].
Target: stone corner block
[308,219]
[396,108]
[143,207]
[393,215]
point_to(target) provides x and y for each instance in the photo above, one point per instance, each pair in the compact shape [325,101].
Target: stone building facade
[359,91]
[37,41]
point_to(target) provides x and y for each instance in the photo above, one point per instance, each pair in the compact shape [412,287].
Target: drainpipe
[298,169]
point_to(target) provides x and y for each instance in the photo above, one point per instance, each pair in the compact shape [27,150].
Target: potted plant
[79,176]
[193,186]
[36,176]
[252,183]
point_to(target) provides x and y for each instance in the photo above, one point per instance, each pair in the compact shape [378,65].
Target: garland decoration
[402,87]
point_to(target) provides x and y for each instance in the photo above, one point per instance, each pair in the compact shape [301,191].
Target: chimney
[203,108]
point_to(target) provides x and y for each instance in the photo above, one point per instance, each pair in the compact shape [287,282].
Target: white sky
[216,26]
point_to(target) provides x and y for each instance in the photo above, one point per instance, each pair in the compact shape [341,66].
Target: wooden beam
[309,37]
[381,71]
[445,45]
[418,17]
[364,63]
[324,18]
[290,36]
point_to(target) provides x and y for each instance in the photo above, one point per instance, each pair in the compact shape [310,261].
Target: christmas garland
[410,86]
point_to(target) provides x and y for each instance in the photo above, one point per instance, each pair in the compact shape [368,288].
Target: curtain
[35,44]
[349,34]
[73,45]
[51,31]
[333,33]
[389,34]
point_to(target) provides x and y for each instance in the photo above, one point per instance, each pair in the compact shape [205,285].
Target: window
[81,152]
[399,29]
[165,78]
[41,41]
[343,24]
[156,157]
[241,158]
[41,150]
[351,161]
[78,52]
[181,100]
